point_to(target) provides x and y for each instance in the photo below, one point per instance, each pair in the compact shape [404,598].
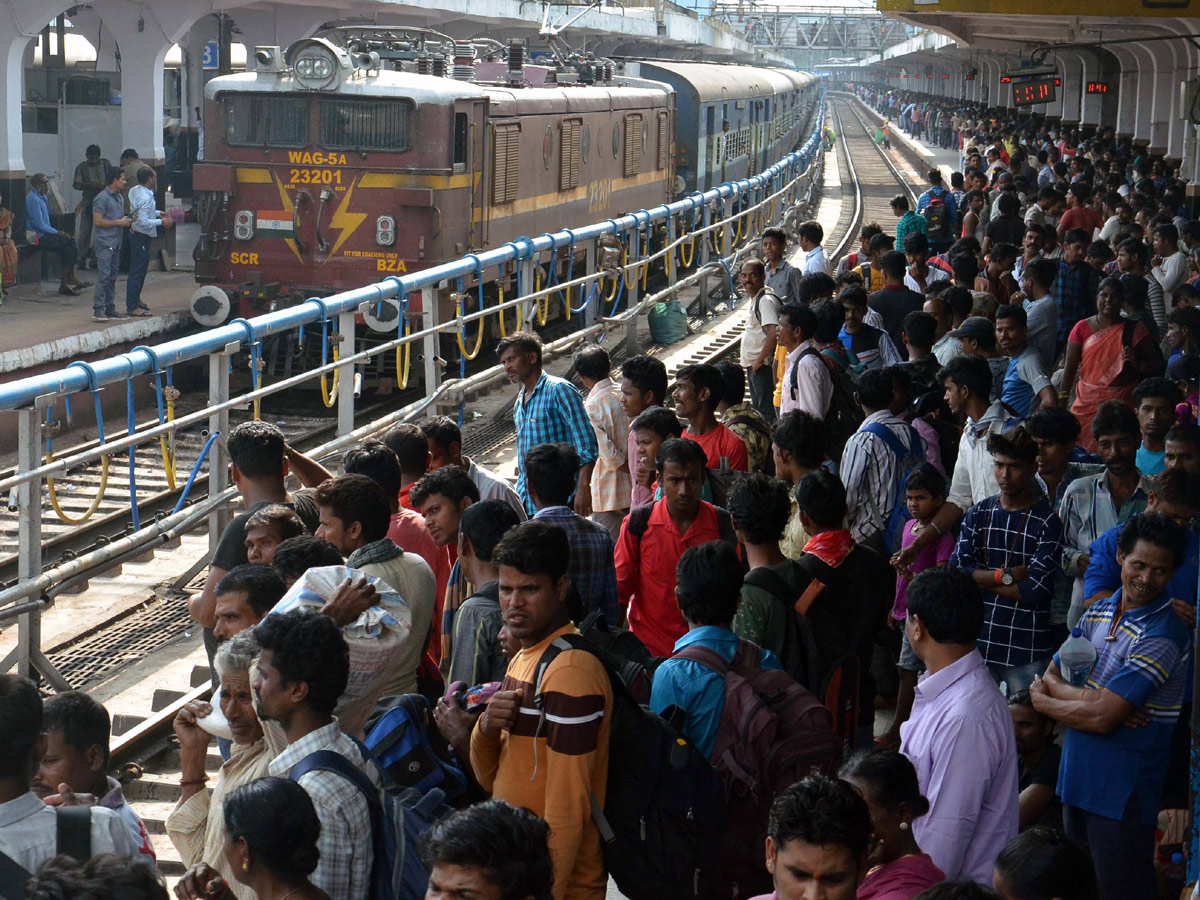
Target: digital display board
[1028,93]
[1097,87]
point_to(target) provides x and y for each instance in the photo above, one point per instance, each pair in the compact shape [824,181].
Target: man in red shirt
[697,394]
[646,561]
[1080,213]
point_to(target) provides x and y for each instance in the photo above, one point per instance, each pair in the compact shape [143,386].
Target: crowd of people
[957,476]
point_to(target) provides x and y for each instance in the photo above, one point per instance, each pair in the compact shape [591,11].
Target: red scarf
[830,547]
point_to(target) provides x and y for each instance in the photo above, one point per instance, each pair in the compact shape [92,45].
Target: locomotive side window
[571,160]
[365,124]
[664,140]
[460,142]
[633,144]
[253,120]
[506,157]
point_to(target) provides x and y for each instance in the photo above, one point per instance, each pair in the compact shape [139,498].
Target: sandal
[141,314]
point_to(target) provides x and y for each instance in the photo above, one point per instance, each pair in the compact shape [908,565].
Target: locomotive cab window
[460,142]
[365,124]
[253,120]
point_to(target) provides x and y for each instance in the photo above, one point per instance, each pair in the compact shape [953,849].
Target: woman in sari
[8,249]
[1110,354]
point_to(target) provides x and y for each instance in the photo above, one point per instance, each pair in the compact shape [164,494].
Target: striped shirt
[1015,633]
[610,478]
[871,473]
[1146,664]
[553,411]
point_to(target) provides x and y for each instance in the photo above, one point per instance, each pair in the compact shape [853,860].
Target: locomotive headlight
[243,225]
[385,231]
[318,65]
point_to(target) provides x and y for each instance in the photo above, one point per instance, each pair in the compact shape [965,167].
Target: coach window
[365,124]
[253,120]
[460,142]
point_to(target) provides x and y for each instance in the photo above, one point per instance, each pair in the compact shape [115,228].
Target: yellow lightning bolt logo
[347,221]
[287,208]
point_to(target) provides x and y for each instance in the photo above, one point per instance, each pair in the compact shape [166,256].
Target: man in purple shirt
[960,736]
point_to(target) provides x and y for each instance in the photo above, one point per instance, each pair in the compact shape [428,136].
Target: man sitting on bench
[49,238]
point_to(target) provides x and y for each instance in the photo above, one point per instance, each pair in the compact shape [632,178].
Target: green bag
[668,322]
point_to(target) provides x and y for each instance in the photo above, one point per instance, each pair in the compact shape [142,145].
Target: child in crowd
[1185,372]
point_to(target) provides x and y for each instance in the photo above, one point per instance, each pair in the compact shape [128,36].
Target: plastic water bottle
[1076,658]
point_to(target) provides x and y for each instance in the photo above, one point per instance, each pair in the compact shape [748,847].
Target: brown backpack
[772,734]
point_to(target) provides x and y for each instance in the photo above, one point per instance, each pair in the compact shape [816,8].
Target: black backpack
[828,666]
[639,520]
[844,414]
[664,807]
[73,837]
[937,217]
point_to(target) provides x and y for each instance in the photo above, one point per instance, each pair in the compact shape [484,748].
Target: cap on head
[976,328]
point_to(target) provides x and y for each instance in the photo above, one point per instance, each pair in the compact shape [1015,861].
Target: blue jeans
[1017,678]
[108,263]
[139,261]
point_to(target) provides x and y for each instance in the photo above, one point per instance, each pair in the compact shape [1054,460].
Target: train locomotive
[365,153]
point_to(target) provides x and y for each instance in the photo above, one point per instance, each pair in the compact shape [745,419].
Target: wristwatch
[1006,577]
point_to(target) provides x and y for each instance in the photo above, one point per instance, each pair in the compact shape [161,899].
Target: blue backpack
[399,816]
[400,740]
[908,459]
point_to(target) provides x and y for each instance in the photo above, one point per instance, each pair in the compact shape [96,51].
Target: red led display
[1004,79]
[1097,87]
[1028,93]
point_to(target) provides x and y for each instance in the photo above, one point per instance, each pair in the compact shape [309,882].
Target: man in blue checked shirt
[1120,723]
[548,410]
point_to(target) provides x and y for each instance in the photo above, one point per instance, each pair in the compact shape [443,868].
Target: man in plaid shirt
[548,409]
[1077,283]
[1011,544]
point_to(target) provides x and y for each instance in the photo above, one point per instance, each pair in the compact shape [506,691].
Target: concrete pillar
[1126,86]
[1071,90]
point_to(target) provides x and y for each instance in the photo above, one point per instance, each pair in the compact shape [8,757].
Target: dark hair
[829,318]
[1004,251]
[108,875]
[1154,528]
[452,482]
[1040,864]
[130,153]
[550,471]
[1158,387]
[1100,250]
[1115,417]
[958,888]
[949,605]
[647,374]
[853,295]
[111,174]
[1014,312]
[1167,231]
[257,449]
[875,389]
[757,266]
[484,523]
[379,462]
[960,300]
[815,286]
[83,721]
[703,376]
[893,263]
[900,202]
[733,382]
[1014,444]
[509,845]
[144,174]
[20,722]
[1135,248]
[357,498]
[1187,317]
[760,507]
[822,497]
[811,231]
[522,342]
[821,810]
[1008,205]
[1055,424]
[892,779]
[442,430]
[926,478]
[802,435]
[801,317]
[307,646]
[934,176]
[280,517]
[881,242]
[1042,271]
[534,548]
[410,443]
[708,583]
[920,328]
[1077,235]
[1176,485]
[263,586]
[1187,433]
[92,150]
[682,452]
[660,420]
[776,234]
[593,362]
[916,242]
[277,820]
[297,555]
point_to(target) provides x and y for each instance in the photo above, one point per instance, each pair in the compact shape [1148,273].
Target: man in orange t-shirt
[696,395]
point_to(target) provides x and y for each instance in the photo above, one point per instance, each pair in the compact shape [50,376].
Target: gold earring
[245,865]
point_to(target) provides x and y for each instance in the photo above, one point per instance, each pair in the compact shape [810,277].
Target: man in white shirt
[811,234]
[807,385]
[1041,310]
[758,338]
[1170,266]
[28,827]
[145,220]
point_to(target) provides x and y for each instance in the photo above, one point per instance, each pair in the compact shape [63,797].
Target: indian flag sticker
[275,225]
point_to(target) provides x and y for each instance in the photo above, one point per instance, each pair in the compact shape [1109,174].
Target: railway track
[144,754]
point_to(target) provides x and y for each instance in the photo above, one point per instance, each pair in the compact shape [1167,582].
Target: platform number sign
[1039,90]
[211,57]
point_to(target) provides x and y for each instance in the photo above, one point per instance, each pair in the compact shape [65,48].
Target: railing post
[218,457]
[589,268]
[429,343]
[347,386]
[528,309]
